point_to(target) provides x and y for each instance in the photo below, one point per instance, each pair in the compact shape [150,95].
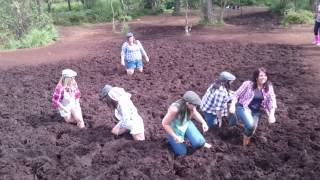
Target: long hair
[218,83]
[255,77]
[110,102]
[184,111]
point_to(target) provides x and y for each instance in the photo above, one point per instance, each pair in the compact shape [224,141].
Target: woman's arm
[123,50]
[143,52]
[197,116]
[168,118]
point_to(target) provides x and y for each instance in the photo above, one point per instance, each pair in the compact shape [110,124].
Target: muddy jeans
[212,120]
[248,118]
[192,135]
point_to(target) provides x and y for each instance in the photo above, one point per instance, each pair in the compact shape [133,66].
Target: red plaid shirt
[58,94]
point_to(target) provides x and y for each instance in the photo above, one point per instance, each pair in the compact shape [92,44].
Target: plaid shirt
[245,94]
[216,100]
[133,52]
[58,94]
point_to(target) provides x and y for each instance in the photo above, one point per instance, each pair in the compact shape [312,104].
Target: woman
[66,98]
[177,123]
[125,112]
[250,98]
[131,54]
[317,27]
[215,102]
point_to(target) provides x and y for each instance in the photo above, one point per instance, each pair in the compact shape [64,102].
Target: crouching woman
[177,123]
[125,111]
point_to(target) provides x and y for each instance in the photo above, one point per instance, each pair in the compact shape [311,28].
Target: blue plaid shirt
[216,100]
[132,53]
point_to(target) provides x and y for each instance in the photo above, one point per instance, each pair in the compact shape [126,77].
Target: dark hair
[255,76]
[182,110]
[110,102]
[218,83]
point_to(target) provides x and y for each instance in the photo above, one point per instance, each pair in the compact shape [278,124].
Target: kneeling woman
[66,98]
[177,123]
[125,112]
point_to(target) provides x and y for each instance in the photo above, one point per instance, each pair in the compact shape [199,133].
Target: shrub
[298,17]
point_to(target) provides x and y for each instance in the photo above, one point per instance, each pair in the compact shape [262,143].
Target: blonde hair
[67,81]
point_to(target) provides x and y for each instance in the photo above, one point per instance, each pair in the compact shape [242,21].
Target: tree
[223,4]
[69,5]
[177,7]
[207,12]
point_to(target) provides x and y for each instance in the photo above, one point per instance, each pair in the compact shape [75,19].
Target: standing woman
[132,53]
[317,27]
[177,123]
[215,102]
[125,111]
[250,98]
[66,98]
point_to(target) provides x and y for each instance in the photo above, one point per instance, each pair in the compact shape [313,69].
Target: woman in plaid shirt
[66,98]
[214,102]
[132,53]
[251,96]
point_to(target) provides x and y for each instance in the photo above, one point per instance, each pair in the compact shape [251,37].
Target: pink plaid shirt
[245,94]
[58,94]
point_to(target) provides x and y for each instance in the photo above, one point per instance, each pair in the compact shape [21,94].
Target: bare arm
[197,116]
[168,118]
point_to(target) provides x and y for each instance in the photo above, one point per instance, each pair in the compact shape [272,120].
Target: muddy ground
[35,143]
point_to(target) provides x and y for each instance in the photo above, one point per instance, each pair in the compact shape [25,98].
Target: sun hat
[226,76]
[69,73]
[106,89]
[192,98]
[129,34]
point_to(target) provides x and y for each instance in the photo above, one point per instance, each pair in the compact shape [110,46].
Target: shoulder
[59,88]
[125,44]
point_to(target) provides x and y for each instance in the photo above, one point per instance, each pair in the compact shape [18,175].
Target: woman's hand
[272,118]
[178,139]
[232,108]
[122,62]
[147,58]
[205,127]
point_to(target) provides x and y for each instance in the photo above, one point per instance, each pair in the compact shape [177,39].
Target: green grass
[298,17]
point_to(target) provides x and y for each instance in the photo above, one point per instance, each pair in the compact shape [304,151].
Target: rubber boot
[315,40]
[318,41]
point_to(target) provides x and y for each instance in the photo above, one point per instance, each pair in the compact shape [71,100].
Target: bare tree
[69,5]
[223,4]
[177,7]
[187,25]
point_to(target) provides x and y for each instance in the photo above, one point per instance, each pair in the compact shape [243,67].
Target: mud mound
[37,144]
[262,21]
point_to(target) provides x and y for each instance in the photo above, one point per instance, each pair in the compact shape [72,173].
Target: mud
[38,144]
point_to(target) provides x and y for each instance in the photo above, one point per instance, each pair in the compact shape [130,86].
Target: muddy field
[38,144]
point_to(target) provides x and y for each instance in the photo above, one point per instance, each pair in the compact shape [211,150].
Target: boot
[318,41]
[246,140]
[315,41]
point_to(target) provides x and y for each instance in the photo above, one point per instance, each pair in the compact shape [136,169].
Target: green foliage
[63,6]
[33,38]
[298,17]
[22,19]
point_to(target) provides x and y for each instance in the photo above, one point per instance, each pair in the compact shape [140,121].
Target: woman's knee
[139,137]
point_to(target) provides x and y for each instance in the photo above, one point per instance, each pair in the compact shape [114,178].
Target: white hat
[226,76]
[106,89]
[69,73]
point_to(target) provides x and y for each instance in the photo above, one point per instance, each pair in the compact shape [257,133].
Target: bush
[298,17]
[34,38]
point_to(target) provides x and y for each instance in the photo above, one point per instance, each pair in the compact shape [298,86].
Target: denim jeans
[248,118]
[136,64]
[192,135]
[212,120]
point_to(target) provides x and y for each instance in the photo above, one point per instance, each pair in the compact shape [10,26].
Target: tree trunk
[49,6]
[38,7]
[187,26]
[113,22]
[223,7]
[207,12]
[177,8]
[69,5]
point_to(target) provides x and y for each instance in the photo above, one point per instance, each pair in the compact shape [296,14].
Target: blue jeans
[212,120]
[136,64]
[250,119]
[193,135]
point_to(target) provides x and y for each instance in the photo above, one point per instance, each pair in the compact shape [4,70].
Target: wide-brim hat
[192,98]
[69,73]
